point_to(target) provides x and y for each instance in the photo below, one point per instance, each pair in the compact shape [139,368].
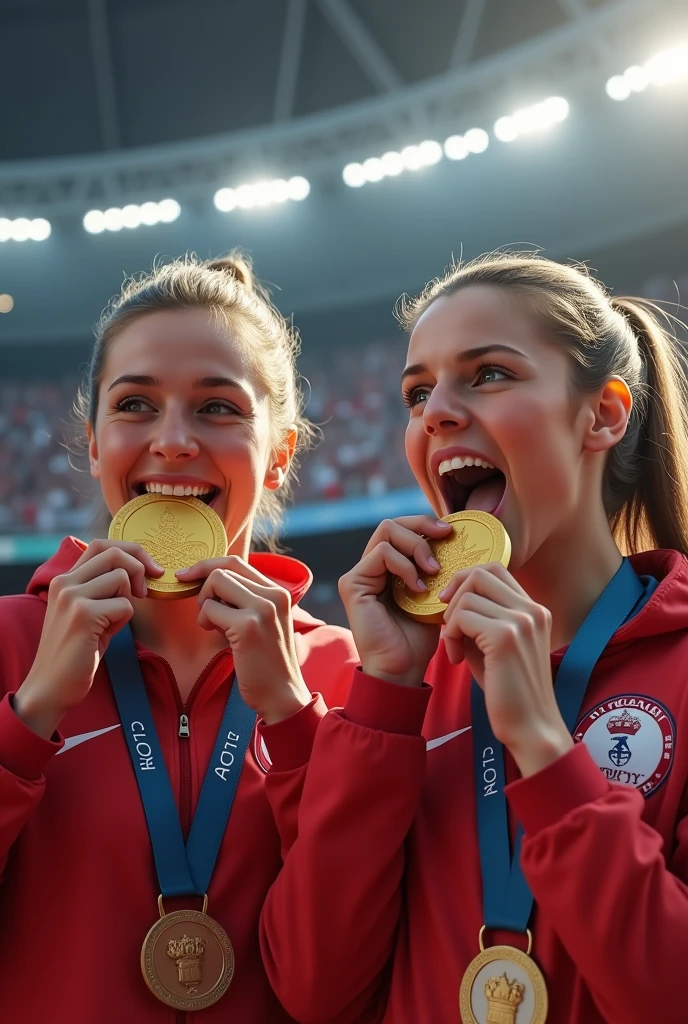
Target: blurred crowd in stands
[352,395]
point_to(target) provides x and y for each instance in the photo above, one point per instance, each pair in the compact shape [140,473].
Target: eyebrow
[153,382]
[469,356]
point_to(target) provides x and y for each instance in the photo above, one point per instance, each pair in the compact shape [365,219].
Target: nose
[443,411]
[173,437]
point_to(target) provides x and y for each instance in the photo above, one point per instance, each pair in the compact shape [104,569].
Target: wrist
[36,711]
[399,679]
[535,752]
[285,705]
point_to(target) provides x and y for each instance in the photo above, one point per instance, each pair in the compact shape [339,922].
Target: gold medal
[187,960]
[502,985]
[177,532]
[477,538]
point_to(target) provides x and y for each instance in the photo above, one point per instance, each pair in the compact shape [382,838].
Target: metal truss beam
[290,60]
[363,48]
[566,60]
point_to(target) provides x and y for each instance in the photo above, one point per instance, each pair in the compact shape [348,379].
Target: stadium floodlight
[298,188]
[618,88]
[113,219]
[279,190]
[477,140]
[6,303]
[354,175]
[225,199]
[20,230]
[23,229]
[392,164]
[456,147]
[531,119]
[94,222]
[373,169]
[168,210]
[665,68]
[131,216]
[430,152]
[412,158]
[261,193]
[245,197]
[150,214]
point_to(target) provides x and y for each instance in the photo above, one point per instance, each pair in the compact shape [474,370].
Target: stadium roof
[93,75]
[123,102]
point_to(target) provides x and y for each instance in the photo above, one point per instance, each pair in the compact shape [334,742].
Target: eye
[133,404]
[219,407]
[490,374]
[415,395]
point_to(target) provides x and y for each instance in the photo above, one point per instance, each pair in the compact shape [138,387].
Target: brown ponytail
[657,511]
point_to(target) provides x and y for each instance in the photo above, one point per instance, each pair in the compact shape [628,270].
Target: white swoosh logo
[445,739]
[74,741]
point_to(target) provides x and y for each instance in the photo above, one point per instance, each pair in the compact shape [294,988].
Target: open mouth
[204,492]
[467,485]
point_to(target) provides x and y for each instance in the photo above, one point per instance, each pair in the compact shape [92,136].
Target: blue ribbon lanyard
[182,869]
[507,899]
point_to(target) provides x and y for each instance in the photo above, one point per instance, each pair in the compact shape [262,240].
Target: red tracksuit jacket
[79,889]
[375,915]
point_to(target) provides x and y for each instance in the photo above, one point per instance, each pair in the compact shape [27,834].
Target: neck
[568,574]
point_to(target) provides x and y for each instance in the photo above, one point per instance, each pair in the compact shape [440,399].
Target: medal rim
[178,589]
[160,991]
[508,953]
[432,610]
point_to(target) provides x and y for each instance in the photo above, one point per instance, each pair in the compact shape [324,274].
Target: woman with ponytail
[513,779]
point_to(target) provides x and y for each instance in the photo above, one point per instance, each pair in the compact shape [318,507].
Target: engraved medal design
[477,538]
[502,985]
[177,532]
[187,960]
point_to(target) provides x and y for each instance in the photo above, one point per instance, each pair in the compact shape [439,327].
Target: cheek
[415,444]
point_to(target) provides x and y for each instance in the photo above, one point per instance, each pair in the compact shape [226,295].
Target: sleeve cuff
[289,743]
[22,752]
[387,707]
[569,782]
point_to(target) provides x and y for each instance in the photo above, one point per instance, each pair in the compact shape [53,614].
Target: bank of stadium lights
[414,158]
[664,68]
[24,230]
[131,216]
[537,118]
[261,193]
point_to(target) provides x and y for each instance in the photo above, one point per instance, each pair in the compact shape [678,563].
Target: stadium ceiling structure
[123,101]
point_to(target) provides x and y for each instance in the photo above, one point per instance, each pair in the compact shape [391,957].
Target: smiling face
[181,406]
[493,424]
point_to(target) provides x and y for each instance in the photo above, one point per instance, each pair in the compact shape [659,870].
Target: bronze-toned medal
[177,532]
[187,960]
[477,538]
[502,985]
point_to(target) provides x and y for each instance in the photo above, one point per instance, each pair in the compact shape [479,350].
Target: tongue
[486,496]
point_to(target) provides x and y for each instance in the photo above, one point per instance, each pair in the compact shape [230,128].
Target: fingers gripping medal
[477,538]
[177,532]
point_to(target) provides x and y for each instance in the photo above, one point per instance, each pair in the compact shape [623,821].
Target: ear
[611,411]
[93,460]
[280,461]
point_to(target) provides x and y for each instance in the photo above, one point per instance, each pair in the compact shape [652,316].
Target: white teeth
[178,490]
[461,462]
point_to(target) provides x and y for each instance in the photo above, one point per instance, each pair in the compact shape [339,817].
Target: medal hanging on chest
[187,959]
[502,984]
